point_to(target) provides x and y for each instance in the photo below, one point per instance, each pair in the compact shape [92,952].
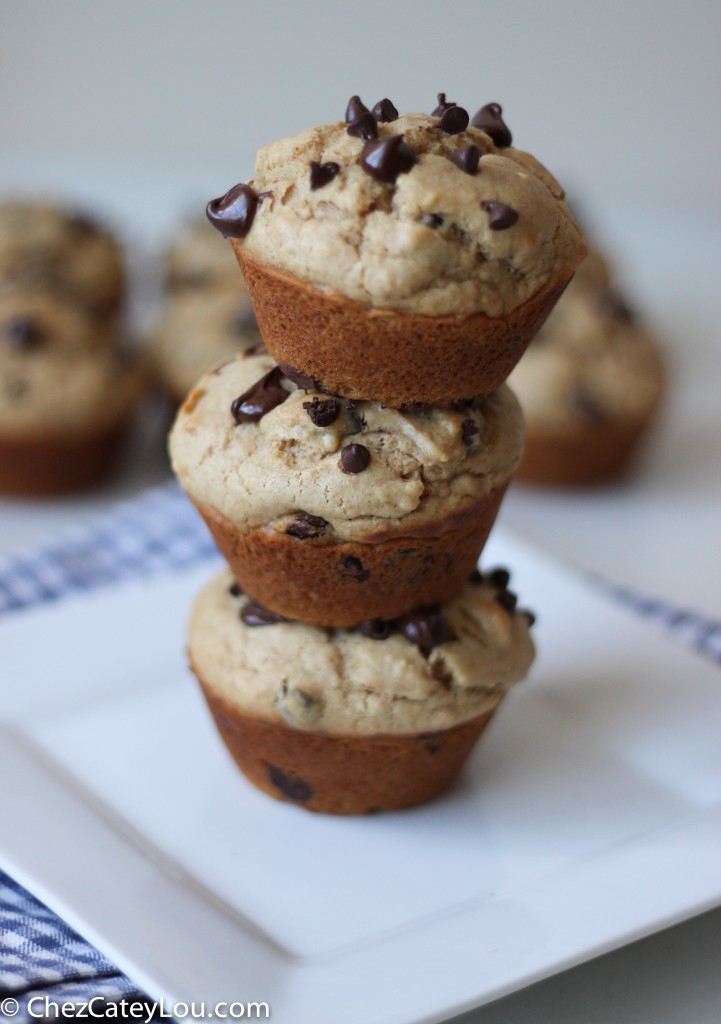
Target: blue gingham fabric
[159,530]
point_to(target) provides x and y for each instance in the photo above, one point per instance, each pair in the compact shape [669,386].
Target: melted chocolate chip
[375,629]
[467,158]
[233,213]
[259,399]
[235,589]
[385,159]
[302,380]
[363,127]
[500,216]
[489,120]
[454,120]
[354,568]
[354,458]
[295,789]
[500,578]
[507,600]
[20,332]
[254,614]
[355,108]
[354,421]
[305,526]
[384,111]
[322,174]
[469,430]
[425,627]
[322,411]
[443,105]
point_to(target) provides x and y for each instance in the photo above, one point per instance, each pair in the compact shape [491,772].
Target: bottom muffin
[351,721]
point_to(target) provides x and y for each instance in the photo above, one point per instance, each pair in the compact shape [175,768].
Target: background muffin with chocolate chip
[401,258]
[332,511]
[590,385]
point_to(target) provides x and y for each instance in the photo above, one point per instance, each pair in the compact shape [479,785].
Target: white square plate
[588,816]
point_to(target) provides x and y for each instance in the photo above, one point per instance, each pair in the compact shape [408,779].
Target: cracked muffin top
[474,648]
[423,214]
[255,447]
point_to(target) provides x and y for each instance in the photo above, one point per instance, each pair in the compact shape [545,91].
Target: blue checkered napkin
[41,956]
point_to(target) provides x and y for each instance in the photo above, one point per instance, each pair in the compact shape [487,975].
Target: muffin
[401,258]
[198,262]
[354,721]
[63,253]
[332,511]
[589,386]
[66,400]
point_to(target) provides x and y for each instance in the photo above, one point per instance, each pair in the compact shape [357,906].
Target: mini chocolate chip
[443,105]
[531,616]
[302,380]
[322,411]
[507,600]
[233,213]
[354,421]
[454,120]
[384,111]
[432,220]
[305,526]
[259,399]
[254,350]
[355,108]
[354,568]
[21,332]
[489,120]
[500,216]
[375,629]
[467,158]
[254,614]
[469,429]
[354,458]
[500,577]
[235,589]
[414,407]
[363,127]
[425,627]
[385,159]
[295,789]
[613,305]
[322,174]
[476,577]
[585,405]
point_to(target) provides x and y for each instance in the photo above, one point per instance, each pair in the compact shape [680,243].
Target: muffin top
[424,214]
[257,448]
[432,669]
[46,247]
[591,362]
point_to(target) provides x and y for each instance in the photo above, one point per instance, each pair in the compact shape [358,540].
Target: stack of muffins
[352,653]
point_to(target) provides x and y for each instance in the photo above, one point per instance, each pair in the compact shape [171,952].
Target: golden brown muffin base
[49,465]
[335,774]
[339,585]
[580,455]
[367,353]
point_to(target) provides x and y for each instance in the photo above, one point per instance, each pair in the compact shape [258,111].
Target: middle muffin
[332,512]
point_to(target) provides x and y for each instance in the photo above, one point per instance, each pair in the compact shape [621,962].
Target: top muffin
[421,214]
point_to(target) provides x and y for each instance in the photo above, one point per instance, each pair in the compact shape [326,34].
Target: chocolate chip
[235,589]
[305,526]
[500,578]
[384,111]
[415,407]
[614,306]
[469,429]
[531,616]
[375,629]
[489,120]
[302,380]
[467,158]
[363,127]
[259,399]
[233,213]
[82,223]
[322,411]
[443,105]
[425,627]
[385,159]
[322,174]
[500,216]
[585,405]
[454,120]
[507,600]
[355,108]
[354,421]
[354,568]
[295,789]
[254,614]
[432,220]
[476,577]
[354,458]
[21,332]
[254,350]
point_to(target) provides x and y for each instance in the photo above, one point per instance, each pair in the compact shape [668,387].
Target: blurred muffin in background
[68,384]
[589,385]
[207,318]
